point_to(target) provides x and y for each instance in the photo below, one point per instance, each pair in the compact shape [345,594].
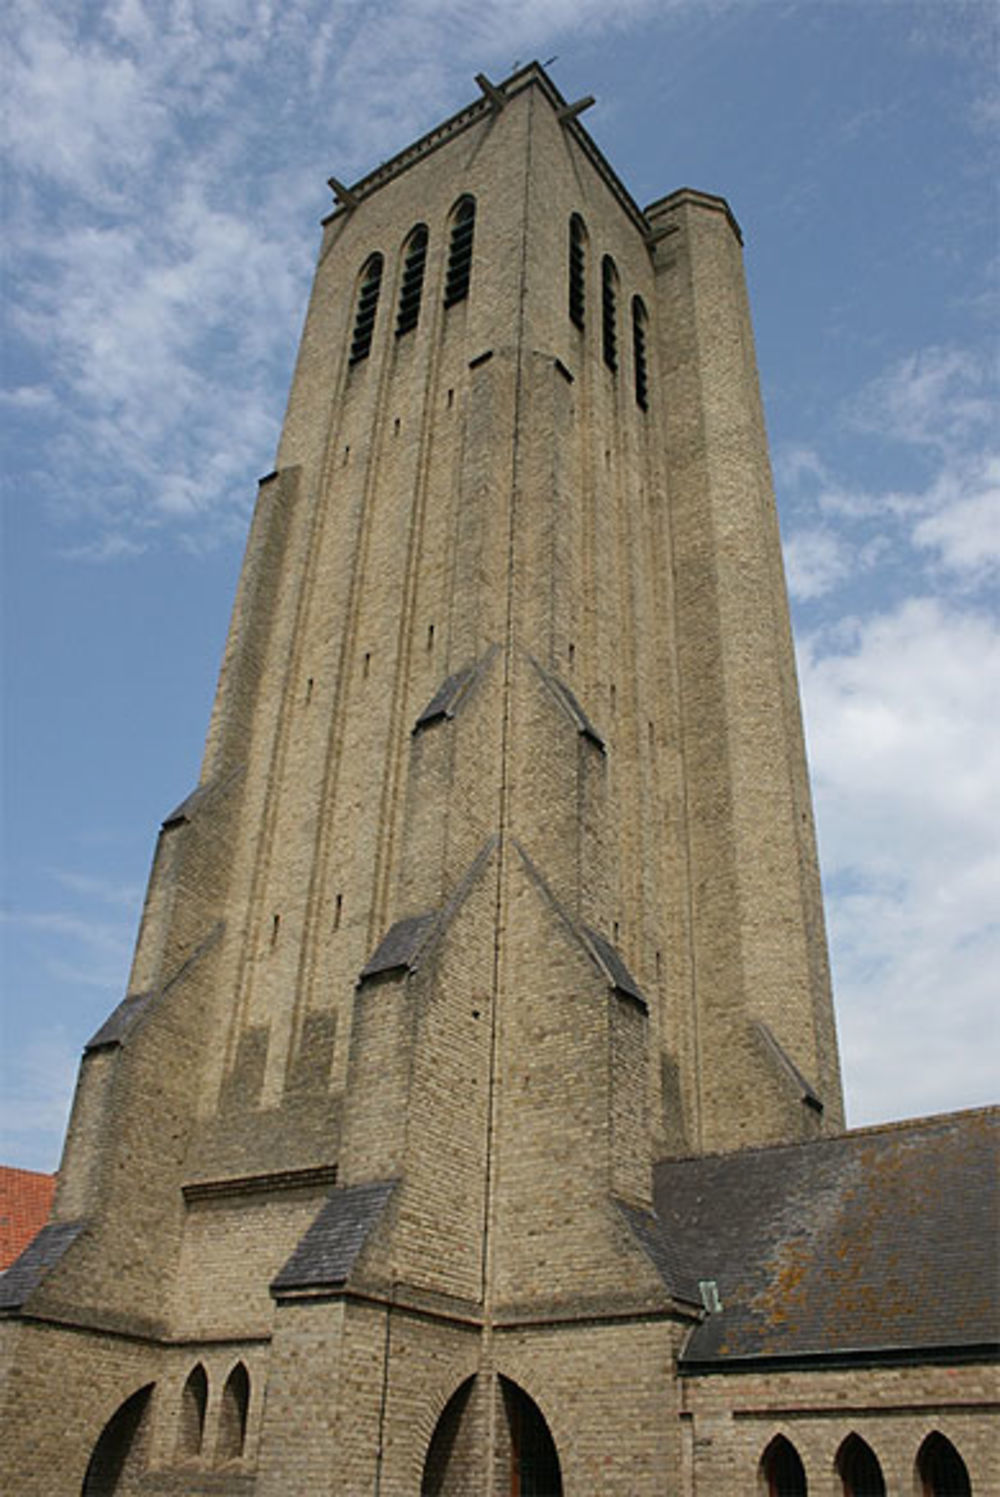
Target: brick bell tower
[499,883]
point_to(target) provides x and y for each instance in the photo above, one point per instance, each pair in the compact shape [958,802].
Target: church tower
[498,886]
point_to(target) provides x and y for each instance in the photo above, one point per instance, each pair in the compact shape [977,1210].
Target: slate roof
[876,1243]
[649,1234]
[41,1254]
[444,702]
[328,1250]
[119,1022]
[614,968]
[401,945]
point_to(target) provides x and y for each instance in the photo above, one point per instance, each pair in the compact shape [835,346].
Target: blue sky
[167,171]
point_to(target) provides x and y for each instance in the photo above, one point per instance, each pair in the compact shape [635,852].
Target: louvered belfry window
[577,270]
[364,321]
[412,285]
[609,312]
[463,225]
[639,353]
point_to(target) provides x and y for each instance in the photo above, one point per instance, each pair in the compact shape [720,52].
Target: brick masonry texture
[499,886]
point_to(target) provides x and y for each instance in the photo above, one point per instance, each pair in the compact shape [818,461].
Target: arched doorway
[119,1454]
[781,1470]
[452,1446]
[534,1464]
[941,1469]
[523,1455]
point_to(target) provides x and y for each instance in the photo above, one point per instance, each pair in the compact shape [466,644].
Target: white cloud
[35,1100]
[936,397]
[962,523]
[907,785]
[816,560]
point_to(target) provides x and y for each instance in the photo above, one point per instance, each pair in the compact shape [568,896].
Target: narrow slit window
[639,324]
[412,285]
[364,321]
[577,270]
[463,226]
[609,312]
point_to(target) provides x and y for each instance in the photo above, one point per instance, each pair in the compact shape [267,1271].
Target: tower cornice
[533,75]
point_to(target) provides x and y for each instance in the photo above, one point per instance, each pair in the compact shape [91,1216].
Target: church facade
[472,1123]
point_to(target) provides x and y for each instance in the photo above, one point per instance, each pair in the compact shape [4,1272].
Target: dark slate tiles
[42,1253]
[401,944]
[118,1023]
[880,1241]
[328,1251]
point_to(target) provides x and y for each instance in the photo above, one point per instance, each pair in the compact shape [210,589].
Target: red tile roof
[25,1201]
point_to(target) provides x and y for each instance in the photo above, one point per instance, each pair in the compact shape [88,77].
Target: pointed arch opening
[233,1415]
[534,1461]
[364,319]
[450,1452]
[120,1453]
[191,1425]
[463,228]
[609,312]
[781,1469]
[640,367]
[858,1468]
[411,287]
[941,1470]
[523,1458]
[577,271]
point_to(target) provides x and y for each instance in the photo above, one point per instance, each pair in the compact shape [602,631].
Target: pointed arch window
[859,1470]
[577,271]
[463,228]
[609,312]
[941,1469]
[194,1402]
[412,285]
[233,1415]
[640,322]
[782,1470]
[364,319]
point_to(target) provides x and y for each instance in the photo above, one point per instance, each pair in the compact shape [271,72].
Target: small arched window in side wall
[782,1470]
[233,1415]
[412,285]
[364,319]
[463,227]
[194,1402]
[941,1469]
[639,325]
[577,271]
[859,1470]
[609,312]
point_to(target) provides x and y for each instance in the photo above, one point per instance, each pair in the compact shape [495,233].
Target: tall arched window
[577,270]
[233,1415]
[194,1402]
[941,1469]
[782,1470]
[609,312]
[859,1470]
[639,324]
[364,320]
[412,285]
[463,227]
